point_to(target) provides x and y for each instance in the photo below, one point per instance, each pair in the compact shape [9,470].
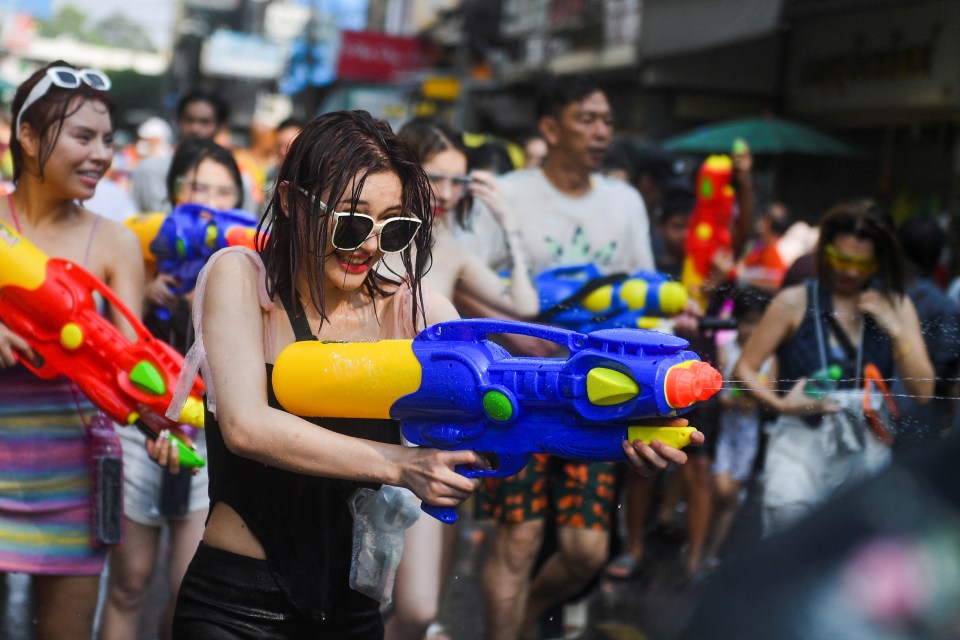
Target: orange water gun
[709,229]
[50,303]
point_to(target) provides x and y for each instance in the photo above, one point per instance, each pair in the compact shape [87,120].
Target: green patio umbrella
[764,135]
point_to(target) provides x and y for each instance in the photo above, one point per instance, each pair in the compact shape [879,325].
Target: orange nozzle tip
[710,379]
[682,387]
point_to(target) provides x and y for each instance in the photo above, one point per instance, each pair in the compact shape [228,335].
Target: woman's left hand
[883,310]
[649,459]
[163,450]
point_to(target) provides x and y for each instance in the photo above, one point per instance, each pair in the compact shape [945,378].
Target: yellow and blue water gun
[581,298]
[191,233]
[451,388]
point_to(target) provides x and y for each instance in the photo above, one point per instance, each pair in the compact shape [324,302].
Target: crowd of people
[369,234]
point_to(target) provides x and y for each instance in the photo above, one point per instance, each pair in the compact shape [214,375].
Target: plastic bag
[379,520]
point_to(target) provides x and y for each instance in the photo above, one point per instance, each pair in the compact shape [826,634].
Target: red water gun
[709,229]
[50,303]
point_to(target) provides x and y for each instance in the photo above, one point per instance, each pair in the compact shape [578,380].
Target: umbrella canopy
[764,135]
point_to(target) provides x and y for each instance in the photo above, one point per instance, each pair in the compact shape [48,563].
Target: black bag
[106,482]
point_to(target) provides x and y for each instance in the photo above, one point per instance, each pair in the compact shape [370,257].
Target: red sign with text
[377,57]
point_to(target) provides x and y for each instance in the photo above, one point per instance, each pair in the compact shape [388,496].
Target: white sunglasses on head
[65,78]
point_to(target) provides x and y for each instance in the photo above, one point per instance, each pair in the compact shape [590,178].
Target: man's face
[583,131]
[199,120]
[674,231]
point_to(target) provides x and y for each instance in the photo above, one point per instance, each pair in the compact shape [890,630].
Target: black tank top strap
[297,316]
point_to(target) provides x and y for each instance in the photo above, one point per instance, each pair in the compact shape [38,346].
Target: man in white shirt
[568,214]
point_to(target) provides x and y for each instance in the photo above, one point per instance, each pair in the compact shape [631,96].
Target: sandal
[623,567]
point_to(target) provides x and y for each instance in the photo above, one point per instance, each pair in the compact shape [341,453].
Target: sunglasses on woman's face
[841,261]
[351,230]
[65,78]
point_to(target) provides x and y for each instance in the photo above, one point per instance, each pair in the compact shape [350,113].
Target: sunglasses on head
[841,261]
[351,230]
[65,78]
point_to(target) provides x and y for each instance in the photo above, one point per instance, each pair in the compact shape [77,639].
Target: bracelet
[902,350]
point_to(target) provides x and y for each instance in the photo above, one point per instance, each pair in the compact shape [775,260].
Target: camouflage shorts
[575,494]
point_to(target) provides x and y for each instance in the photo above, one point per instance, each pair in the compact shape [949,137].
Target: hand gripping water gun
[580,298]
[192,233]
[452,389]
[709,228]
[49,303]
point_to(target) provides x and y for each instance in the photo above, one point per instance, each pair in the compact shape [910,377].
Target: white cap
[155,128]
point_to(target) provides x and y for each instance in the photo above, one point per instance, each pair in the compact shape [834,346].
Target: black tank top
[800,355]
[303,522]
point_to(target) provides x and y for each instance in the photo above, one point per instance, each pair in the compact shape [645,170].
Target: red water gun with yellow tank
[50,303]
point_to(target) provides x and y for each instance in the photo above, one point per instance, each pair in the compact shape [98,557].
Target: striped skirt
[44,478]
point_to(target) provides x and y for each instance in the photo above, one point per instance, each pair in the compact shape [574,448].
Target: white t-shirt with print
[608,226]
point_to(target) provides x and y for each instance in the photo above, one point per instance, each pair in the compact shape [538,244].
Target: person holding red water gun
[62,146]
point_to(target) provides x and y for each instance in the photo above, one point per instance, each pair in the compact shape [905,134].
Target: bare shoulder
[789,305]
[116,241]
[233,267]
[439,308]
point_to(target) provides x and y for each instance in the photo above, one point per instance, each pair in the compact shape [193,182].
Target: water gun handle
[508,464]
[188,457]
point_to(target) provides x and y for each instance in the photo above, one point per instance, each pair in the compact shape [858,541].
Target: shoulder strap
[813,302]
[93,232]
[297,317]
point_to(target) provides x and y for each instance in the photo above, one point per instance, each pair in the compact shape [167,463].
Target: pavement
[655,604]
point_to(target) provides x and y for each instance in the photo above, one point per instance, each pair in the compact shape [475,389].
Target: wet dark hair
[328,154]
[863,219]
[220,109]
[429,137]
[188,156]
[491,156]
[47,115]
[292,121]
[560,92]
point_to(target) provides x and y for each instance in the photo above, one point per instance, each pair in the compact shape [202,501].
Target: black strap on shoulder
[297,317]
[573,301]
[842,338]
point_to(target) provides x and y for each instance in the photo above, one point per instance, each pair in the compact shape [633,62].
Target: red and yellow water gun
[709,229]
[49,302]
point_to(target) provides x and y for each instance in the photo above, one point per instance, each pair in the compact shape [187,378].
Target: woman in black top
[276,550]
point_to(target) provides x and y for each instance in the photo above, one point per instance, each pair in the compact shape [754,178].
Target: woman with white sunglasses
[276,552]
[62,144]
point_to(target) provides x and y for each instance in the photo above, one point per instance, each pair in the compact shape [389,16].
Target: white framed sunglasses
[65,78]
[351,230]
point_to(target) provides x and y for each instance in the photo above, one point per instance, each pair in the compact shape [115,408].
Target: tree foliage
[116,30]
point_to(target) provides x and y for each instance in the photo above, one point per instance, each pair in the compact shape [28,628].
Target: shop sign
[888,59]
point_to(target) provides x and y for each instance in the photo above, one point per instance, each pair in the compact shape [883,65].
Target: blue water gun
[451,388]
[192,233]
[579,297]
